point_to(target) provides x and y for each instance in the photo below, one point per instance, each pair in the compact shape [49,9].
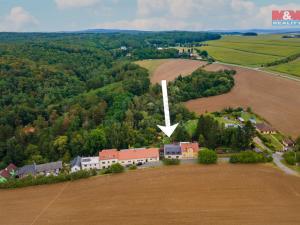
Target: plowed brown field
[172,68]
[221,194]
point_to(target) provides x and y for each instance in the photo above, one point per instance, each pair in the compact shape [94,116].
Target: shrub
[207,156]
[298,157]
[132,167]
[290,158]
[169,162]
[250,157]
[39,180]
[117,168]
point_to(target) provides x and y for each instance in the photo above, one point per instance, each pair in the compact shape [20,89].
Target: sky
[74,15]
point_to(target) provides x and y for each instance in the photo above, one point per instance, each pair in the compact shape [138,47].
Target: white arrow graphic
[168,129]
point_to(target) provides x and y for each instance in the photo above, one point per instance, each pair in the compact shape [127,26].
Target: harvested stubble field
[187,194]
[274,98]
[169,69]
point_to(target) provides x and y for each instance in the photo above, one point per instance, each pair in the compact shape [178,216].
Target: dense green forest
[64,95]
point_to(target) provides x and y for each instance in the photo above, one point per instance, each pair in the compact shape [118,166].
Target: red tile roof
[138,153]
[6,172]
[263,127]
[185,146]
[107,154]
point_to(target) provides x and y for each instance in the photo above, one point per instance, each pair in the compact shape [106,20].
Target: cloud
[63,4]
[150,24]
[217,14]
[17,20]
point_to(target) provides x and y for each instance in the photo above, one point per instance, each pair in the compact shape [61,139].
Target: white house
[88,163]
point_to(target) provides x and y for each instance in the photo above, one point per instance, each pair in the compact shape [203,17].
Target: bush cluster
[250,157]
[291,158]
[207,156]
[39,180]
[169,162]
[114,168]
[132,167]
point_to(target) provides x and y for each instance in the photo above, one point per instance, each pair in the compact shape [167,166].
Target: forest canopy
[66,94]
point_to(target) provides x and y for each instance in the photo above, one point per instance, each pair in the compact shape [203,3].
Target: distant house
[189,150]
[241,119]
[108,157]
[287,144]
[231,125]
[123,48]
[26,170]
[172,151]
[253,121]
[126,157]
[52,168]
[265,128]
[138,156]
[88,163]
[76,164]
[9,171]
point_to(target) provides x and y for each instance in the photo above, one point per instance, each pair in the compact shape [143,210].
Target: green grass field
[292,68]
[252,51]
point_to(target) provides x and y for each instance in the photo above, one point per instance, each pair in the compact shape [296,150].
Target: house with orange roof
[138,156]
[127,157]
[189,150]
[107,157]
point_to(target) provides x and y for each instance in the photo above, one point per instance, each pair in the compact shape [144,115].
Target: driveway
[277,160]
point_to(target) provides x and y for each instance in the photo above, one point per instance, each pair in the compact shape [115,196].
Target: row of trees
[282,61]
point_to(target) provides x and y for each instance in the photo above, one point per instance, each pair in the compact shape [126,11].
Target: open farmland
[266,94]
[274,98]
[252,51]
[169,69]
[186,194]
[292,68]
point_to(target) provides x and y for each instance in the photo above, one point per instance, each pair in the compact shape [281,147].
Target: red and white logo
[286,17]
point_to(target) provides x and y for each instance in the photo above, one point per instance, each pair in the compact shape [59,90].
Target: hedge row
[169,162]
[39,180]
[250,157]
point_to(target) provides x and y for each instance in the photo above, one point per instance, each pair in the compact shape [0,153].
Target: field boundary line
[265,71]
[50,203]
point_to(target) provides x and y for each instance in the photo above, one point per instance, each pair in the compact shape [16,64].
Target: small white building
[241,119]
[88,163]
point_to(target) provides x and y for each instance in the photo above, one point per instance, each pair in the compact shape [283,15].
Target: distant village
[142,156]
[106,158]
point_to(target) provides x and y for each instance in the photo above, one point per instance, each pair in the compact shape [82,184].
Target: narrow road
[277,160]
